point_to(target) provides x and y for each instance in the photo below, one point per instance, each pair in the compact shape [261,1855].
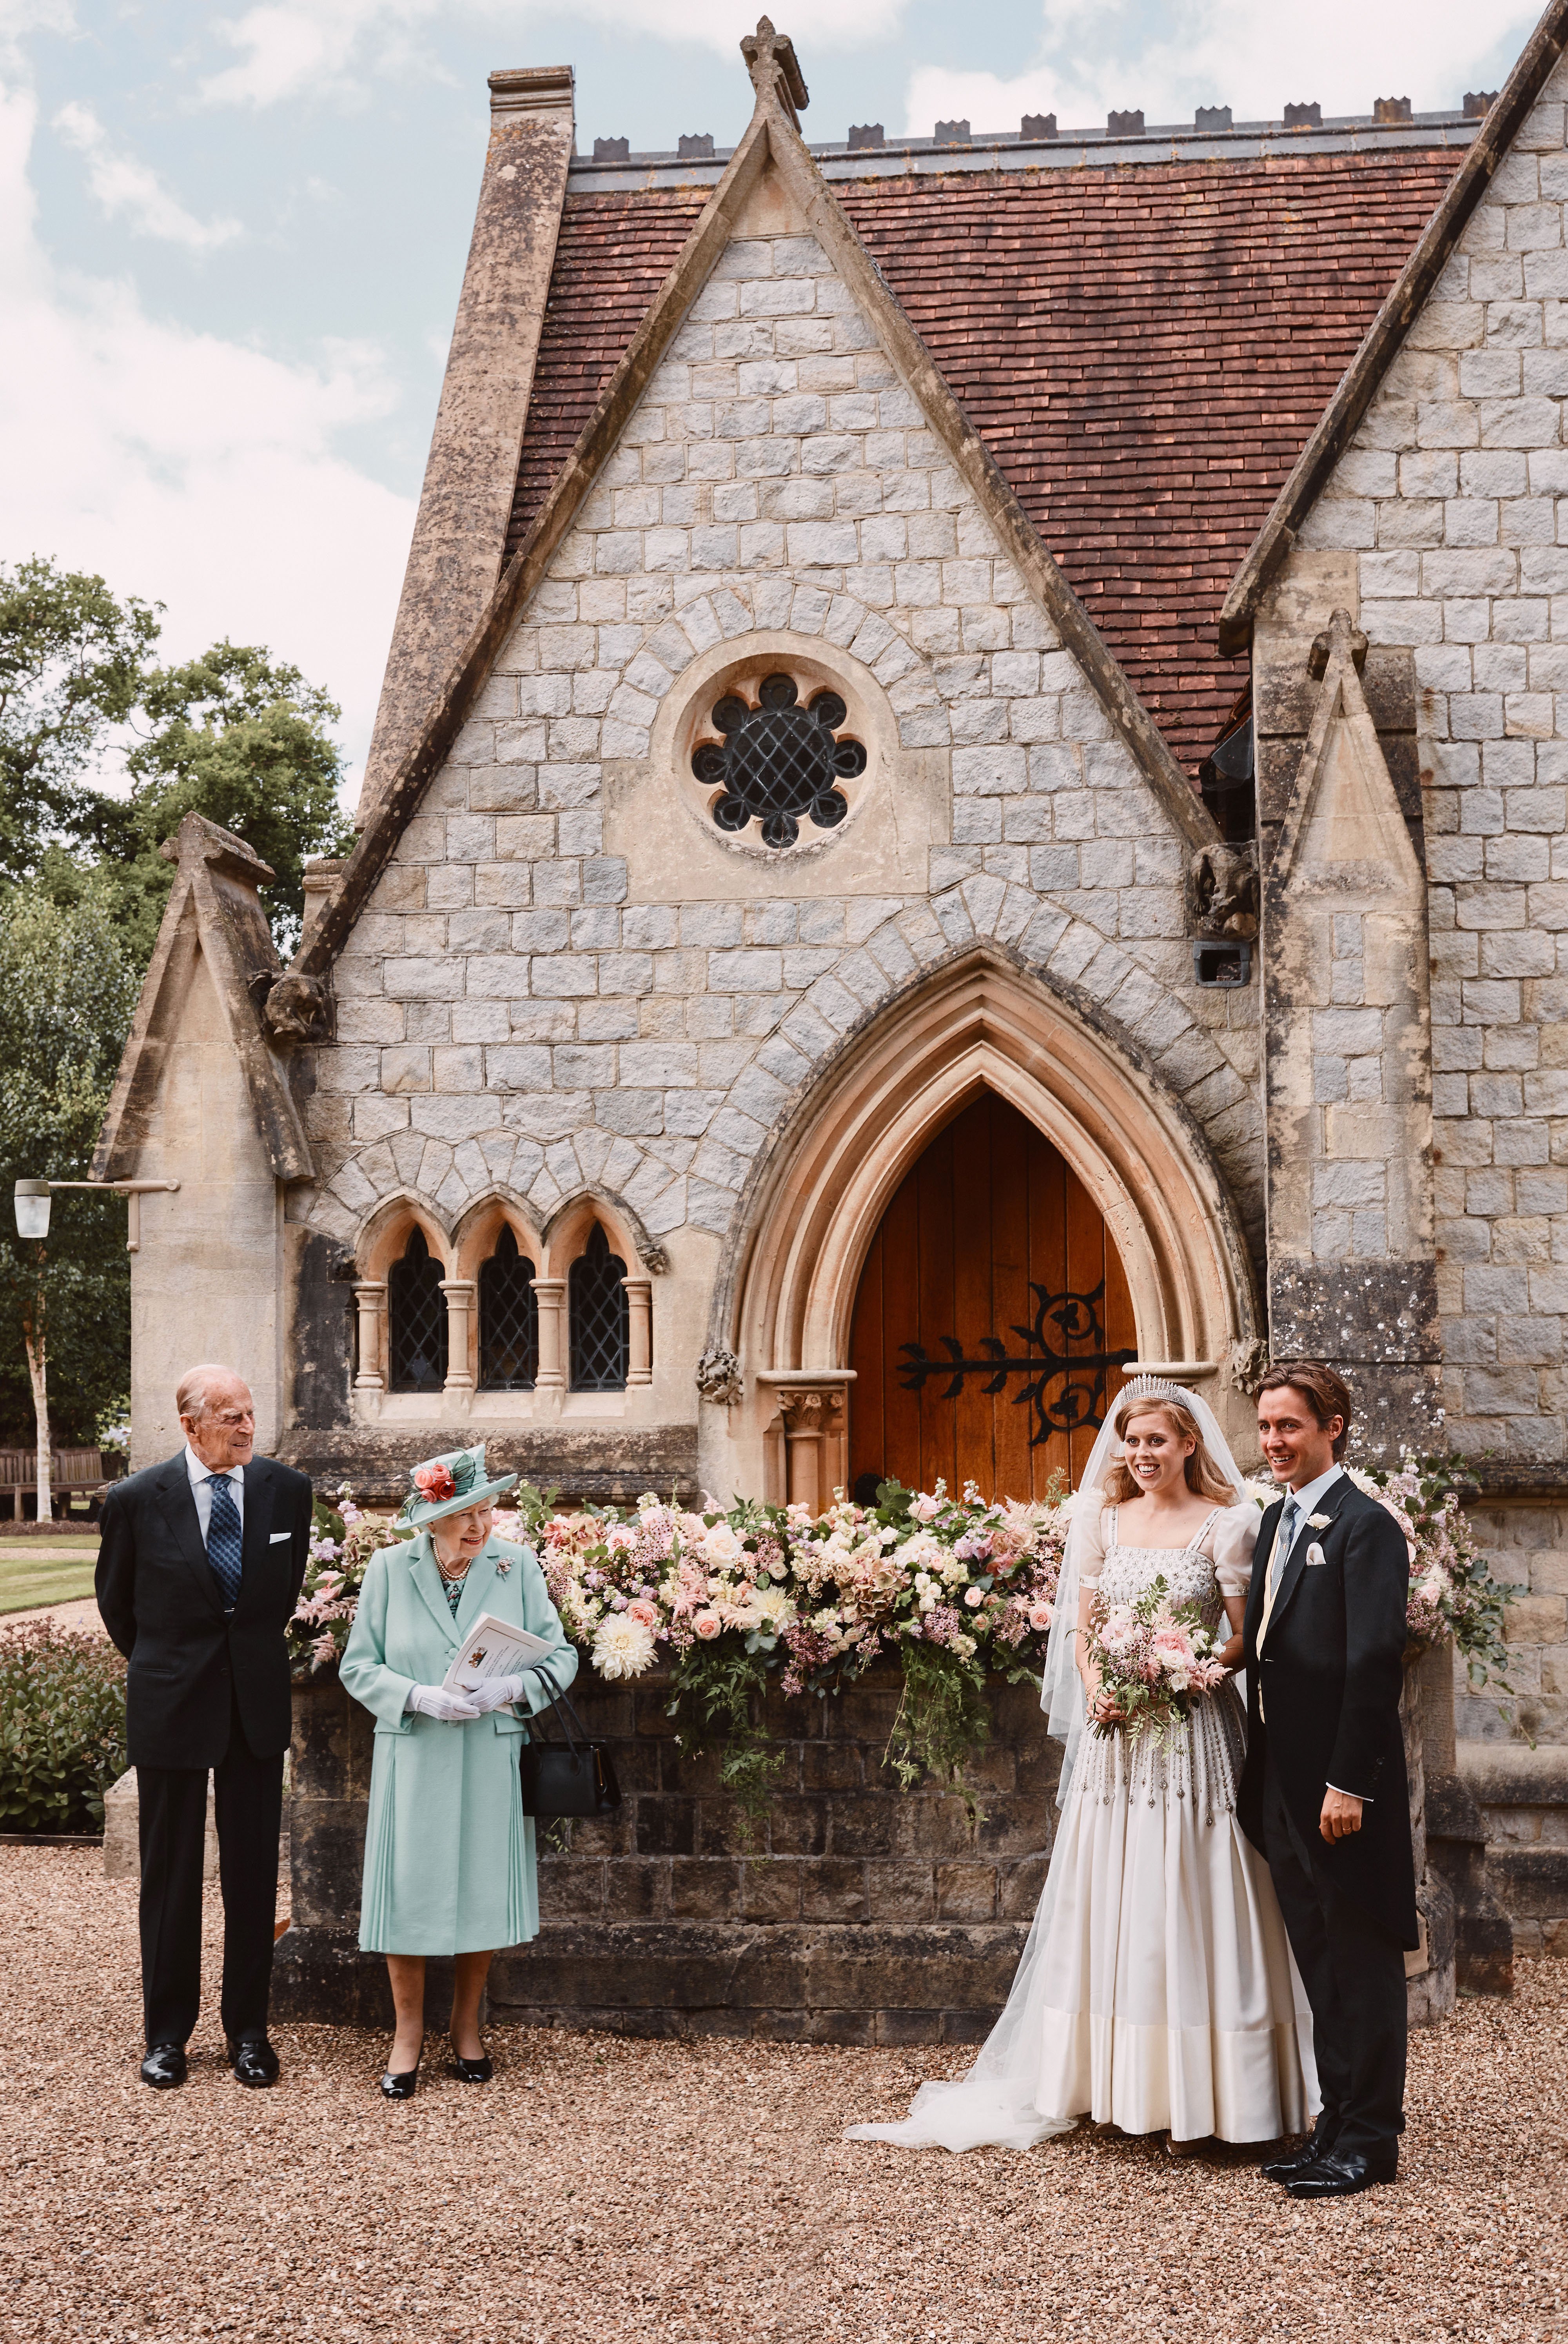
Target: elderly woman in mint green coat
[448,1852]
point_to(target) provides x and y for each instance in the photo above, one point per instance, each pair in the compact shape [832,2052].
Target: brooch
[503,1566]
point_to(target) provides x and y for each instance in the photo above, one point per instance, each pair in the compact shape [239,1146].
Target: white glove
[434,1701]
[494,1692]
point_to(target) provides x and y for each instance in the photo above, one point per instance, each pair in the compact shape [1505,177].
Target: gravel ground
[602,2192]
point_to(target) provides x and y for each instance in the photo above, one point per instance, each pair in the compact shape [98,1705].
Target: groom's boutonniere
[1319,1521]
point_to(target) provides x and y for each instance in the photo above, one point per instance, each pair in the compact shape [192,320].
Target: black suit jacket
[161,1605]
[1330,1673]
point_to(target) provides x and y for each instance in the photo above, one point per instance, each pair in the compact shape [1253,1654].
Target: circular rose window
[778,763]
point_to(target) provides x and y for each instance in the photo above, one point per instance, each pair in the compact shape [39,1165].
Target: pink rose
[643,1611]
[925,1509]
[1040,1617]
[434,1481]
[707,1625]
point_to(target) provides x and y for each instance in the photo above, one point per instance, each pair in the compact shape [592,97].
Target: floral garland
[733,1603]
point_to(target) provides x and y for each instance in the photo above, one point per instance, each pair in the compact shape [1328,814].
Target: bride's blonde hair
[1204,1477]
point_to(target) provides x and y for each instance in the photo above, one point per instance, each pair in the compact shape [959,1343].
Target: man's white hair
[194,1397]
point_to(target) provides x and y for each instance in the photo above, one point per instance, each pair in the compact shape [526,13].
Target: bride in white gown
[1157,1991]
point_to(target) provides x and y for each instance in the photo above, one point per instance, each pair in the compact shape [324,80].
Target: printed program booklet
[493,1648]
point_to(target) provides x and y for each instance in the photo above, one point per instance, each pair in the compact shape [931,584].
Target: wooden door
[992,1321]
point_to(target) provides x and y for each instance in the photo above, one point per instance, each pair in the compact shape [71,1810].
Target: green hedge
[62,1728]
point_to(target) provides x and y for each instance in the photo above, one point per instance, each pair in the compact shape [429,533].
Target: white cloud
[1250,55]
[191,470]
[293,48]
[121,184]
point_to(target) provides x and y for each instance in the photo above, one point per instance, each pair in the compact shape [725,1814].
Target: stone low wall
[1523,1797]
[858,1914]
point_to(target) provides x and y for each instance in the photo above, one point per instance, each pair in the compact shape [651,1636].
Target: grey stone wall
[1448,504]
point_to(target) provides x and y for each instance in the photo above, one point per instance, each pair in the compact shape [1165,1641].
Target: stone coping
[1511,1774]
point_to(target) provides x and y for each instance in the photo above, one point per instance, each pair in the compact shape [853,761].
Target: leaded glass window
[778,762]
[417,1320]
[600,1317]
[507,1319]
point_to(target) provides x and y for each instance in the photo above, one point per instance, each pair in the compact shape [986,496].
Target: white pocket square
[279,1536]
[1315,1553]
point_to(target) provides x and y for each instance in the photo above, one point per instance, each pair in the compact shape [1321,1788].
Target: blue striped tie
[223,1538]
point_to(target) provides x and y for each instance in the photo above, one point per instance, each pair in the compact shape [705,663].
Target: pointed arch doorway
[993,1317]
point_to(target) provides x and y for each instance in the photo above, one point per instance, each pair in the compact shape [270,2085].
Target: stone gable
[523,1006]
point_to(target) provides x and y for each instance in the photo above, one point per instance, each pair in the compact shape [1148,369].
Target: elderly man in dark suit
[1324,1792]
[199,1568]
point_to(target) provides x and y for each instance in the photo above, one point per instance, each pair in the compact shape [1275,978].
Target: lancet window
[599,1318]
[508,1319]
[417,1320]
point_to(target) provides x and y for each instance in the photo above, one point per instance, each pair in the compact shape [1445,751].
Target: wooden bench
[78,1478]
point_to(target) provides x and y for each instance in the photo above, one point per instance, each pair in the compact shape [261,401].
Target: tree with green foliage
[235,735]
[72,663]
[67,991]
[243,740]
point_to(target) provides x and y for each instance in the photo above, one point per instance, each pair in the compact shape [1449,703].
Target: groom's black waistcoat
[190,1666]
[1329,1676]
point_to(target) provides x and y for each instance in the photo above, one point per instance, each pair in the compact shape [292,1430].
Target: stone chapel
[969,795]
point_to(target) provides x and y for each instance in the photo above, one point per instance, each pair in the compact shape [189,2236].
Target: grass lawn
[55,1570]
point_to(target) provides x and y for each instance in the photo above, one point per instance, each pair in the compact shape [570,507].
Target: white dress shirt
[201,1479]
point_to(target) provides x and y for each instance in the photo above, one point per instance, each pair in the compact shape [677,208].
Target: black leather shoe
[472,2071]
[165,2066]
[1318,2142]
[254,2062]
[401,2087]
[1343,2176]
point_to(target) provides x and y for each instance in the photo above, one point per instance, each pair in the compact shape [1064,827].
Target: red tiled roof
[1144,349]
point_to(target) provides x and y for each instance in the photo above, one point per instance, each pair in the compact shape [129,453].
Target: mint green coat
[448,1852]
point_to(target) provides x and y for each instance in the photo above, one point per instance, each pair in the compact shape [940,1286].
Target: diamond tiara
[1151,1388]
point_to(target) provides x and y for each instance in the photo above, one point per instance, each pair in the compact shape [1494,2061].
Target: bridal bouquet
[1156,1659]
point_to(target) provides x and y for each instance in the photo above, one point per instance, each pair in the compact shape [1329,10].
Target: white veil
[994,2103]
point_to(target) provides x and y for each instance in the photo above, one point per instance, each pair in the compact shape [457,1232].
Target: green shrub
[62,1728]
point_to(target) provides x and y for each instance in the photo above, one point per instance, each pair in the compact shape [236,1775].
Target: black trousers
[1354,1974]
[172,1804]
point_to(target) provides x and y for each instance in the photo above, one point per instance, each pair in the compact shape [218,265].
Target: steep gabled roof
[771,136]
[1386,335]
[1142,347]
[213,907]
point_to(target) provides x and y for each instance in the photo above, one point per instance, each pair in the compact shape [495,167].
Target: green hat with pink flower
[450,1485]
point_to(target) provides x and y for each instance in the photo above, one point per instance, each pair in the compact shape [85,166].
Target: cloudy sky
[231,242]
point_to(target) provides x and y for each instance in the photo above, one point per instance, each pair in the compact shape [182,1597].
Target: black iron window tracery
[507,1319]
[600,1317]
[778,762]
[416,1320]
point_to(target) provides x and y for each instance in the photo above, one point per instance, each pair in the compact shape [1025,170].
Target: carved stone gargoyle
[1222,891]
[298,1010]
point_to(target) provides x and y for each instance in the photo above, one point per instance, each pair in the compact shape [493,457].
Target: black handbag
[574,1777]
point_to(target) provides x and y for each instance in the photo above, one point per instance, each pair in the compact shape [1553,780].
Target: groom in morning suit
[1323,1793]
[199,1568]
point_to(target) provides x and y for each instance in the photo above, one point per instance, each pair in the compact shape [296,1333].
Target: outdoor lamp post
[33,1200]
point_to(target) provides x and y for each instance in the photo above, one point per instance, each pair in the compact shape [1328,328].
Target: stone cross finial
[1342,639]
[774,68]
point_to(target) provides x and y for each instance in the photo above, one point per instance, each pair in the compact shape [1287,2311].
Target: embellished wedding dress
[1157,1991]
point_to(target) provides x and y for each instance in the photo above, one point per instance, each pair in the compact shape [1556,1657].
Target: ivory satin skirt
[1157,1990]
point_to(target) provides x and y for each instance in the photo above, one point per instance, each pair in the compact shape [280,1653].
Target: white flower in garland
[622,1645]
